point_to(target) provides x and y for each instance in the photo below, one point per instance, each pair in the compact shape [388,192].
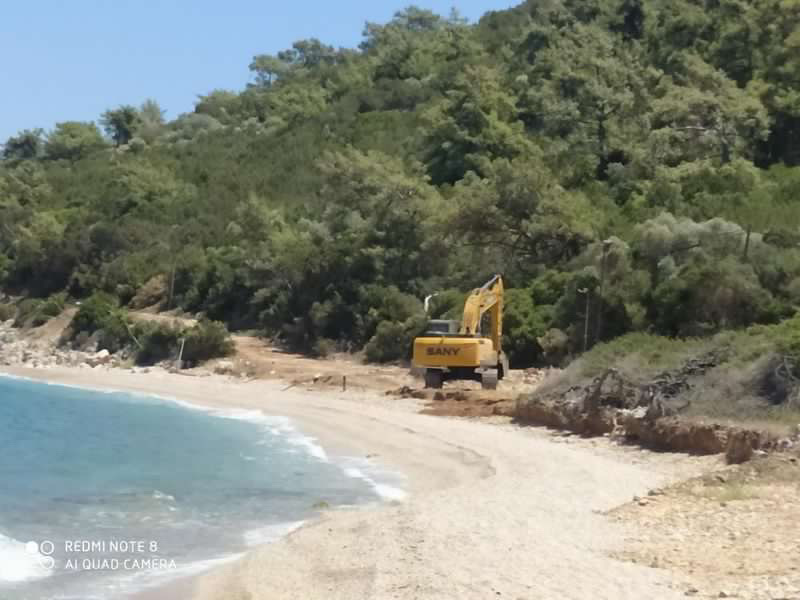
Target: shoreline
[181,586]
[492,509]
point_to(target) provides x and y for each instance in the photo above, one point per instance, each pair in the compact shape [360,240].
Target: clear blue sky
[71,60]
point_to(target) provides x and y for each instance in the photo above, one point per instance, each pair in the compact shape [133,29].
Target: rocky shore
[16,349]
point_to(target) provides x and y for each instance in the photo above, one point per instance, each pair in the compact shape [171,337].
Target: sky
[72,60]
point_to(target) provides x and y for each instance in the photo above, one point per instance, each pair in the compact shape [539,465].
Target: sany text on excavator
[451,350]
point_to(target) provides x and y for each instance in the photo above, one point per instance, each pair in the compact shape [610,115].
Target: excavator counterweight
[450,350]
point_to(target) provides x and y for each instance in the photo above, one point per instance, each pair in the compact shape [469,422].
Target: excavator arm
[487,298]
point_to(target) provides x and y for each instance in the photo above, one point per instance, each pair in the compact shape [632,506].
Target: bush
[206,340]
[29,313]
[54,305]
[34,312]
[644,354]
[157,342]
[524,323]
[323,347]
[93,313]
[100,314]
[151,293]
[7,312]
[393,340]
[5,267]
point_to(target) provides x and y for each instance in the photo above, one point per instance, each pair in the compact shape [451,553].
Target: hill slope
[629,159]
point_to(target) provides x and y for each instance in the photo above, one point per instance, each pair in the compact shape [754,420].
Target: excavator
[453,350]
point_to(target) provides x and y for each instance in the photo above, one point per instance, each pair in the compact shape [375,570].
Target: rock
[744,443]
[101,357]
[224,367]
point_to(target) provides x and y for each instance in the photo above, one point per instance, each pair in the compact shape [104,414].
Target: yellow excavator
[451,350]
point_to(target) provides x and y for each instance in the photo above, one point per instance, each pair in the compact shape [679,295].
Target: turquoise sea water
[102,493]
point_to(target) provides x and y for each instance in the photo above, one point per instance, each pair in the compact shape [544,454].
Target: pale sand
[494,511]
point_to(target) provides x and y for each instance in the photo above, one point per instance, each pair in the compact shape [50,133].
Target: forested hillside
[638,158]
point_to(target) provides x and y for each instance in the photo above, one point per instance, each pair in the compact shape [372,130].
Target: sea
[103,494]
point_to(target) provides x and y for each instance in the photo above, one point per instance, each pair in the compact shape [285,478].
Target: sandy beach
[493,510]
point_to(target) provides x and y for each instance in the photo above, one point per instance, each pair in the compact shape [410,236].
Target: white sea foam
[157,495]
[19,563]
[366,471]
[276,425]
[270,533]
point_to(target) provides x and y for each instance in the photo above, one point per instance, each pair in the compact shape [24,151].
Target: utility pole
[747,242]
[585,319]
[174,254]
[599,311]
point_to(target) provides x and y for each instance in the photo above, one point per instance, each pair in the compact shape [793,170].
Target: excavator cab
[453,350]
[442,327]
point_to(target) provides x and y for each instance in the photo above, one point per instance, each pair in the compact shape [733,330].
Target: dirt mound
[645,414]
[566,414]
[673,434]
[460,401]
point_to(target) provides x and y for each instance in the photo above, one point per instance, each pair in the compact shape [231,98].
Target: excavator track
[489,379]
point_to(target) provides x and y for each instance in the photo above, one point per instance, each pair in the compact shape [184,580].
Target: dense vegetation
[634,159]
[100,322]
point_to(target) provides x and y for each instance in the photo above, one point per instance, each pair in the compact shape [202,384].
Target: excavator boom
[487,298]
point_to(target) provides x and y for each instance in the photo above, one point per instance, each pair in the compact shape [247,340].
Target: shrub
[641,354]
[323,347]
[555,346]
[787,337]
[7,312]
[93,313]
[5,267]
[34,312]
[524,323]
[29,313]
[100,314]
[157,342]
[393,340]
[54,305]
[389,343]
[206,340]
[151,293]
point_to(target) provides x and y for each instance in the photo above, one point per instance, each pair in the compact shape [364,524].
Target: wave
[276,425]
[19,562]
[270,533]
[363,469]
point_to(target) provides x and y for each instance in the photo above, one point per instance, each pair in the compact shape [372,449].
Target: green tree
[520,209]
[473,124]
[73,140]
[268,68]
[122,123]
[26,145]
[587,93]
